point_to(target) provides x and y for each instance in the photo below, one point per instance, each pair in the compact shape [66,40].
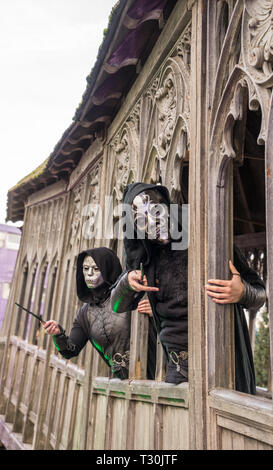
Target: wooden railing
[49,403]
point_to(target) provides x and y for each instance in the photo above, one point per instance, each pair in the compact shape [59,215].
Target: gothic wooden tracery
[248,87]
[199,109]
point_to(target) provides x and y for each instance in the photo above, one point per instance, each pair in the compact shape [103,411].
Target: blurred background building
[9,245]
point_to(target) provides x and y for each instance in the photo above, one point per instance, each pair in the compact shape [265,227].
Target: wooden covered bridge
[181,94]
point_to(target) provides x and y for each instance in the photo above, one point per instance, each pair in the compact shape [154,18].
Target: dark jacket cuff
[253,296]
[62,342]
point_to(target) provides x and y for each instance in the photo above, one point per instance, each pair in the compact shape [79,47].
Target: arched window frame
[220,217]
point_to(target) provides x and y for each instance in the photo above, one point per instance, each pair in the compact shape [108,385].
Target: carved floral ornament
[183,47]
[258,39]
[165,104]
[168,120]
[231,109]
[124,149]
[165,99]
[222,135]
[89,211]
[122,163]
[94,184]
[76,210]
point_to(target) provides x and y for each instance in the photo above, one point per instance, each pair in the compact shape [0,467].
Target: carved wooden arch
[25,263]
[54,262]
[50,294]
[254,21]
[169,123]
[124,156]
[31,247]
[25,269]
[152,167]
[222,20]
[21,289]
[91,213]
[178,153]
[113,232]
[54,217]
[257,37]
[125,148]
[220,217]
[226,53]
[40,278]
[33,263]
[230,110]
[42,258]
[77,195]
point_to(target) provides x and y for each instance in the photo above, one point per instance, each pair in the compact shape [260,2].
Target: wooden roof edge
[91,79]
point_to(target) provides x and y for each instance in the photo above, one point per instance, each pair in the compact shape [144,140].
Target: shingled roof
[134,27]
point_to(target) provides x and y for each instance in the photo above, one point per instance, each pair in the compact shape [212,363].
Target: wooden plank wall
[138,415]
[20,402]
[122,415]
[242,422]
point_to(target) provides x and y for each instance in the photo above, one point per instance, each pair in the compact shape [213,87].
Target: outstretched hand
[226,292]
[138,284]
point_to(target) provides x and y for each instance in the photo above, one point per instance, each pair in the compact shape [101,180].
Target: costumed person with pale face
[97,270]
[166,283]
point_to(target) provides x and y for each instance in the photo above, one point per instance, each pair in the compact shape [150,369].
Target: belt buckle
[183,355]
[175,358]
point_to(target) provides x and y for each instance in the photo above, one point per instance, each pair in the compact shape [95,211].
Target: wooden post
[197,245]
[138,345]
[269,226]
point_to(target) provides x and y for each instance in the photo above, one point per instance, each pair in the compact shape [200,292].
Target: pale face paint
[91,273]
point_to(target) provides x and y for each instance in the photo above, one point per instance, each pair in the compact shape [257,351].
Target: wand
[39,317]
[142,272]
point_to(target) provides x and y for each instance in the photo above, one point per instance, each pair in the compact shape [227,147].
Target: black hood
[136,250]
[110,268]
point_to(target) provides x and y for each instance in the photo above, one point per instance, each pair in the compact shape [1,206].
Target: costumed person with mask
[165,267]
[97,270]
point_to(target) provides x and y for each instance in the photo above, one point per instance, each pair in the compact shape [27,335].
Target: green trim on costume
[55,342]
[116,305]
[101,350]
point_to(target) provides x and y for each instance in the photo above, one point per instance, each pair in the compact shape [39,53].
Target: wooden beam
[243,198]
[197,245]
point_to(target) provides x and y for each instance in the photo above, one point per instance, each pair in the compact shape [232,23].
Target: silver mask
[151,216]
[91,273]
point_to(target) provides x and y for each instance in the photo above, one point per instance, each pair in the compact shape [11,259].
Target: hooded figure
[109,333]
[166,268]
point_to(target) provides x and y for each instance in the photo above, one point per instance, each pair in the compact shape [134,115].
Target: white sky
[47,49]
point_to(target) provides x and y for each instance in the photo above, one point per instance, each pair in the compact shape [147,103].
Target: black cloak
[140,250]
[95,321]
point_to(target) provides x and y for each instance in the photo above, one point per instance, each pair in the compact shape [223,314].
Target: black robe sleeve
[71,346]
[253,297]
[123,297]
